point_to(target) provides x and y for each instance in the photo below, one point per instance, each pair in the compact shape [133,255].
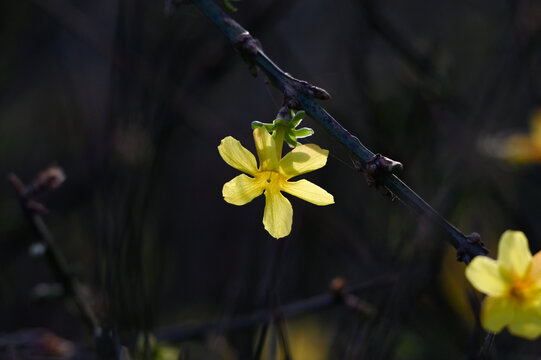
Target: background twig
[312,304]
[55,259]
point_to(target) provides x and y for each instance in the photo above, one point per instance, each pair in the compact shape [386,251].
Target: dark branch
[300,94]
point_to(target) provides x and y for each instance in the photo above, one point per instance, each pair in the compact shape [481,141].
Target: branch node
[377,166]
[464,251]
[290,98]
[246,43]
[47,180]
[284,112]
[247,47]
[337,287]
[294,86]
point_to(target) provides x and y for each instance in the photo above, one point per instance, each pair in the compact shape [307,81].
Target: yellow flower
[272,177]
[512,285]
[524,148]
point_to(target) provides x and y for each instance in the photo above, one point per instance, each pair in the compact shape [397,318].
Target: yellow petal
[521,149]
[266,149]
[242,189]
[484,274]
[526,323]
[536,127]
[237,156]
[303,159]
[496,312]
[514,254]
[535,272]
[308,191]
[278,215]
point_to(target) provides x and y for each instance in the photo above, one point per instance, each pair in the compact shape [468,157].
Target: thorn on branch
[464,254]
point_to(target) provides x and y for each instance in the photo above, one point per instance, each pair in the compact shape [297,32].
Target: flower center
[518,293]
[524,290]
[272,180]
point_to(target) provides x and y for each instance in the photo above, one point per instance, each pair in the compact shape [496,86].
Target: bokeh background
[132,100]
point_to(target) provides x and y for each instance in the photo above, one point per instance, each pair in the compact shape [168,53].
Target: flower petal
[303,159]
[237,156]
[266,149]
[536,127]
[496,312]
[514,254]
[242,189]
[535,272]
[521,149]
[484,274]
[308,191]
[278,215]
[526,323]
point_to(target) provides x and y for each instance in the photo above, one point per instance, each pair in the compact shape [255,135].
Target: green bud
[288,123]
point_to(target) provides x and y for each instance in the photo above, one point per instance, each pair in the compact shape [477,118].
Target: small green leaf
[290,140]
[297,119]
[256,124]
[269,127]
[303,132]
[287,125]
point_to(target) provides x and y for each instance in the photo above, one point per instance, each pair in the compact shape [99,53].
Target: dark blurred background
[132,103]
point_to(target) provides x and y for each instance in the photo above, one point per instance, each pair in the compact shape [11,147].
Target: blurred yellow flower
[524,148]
[512,285]
[272,177]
